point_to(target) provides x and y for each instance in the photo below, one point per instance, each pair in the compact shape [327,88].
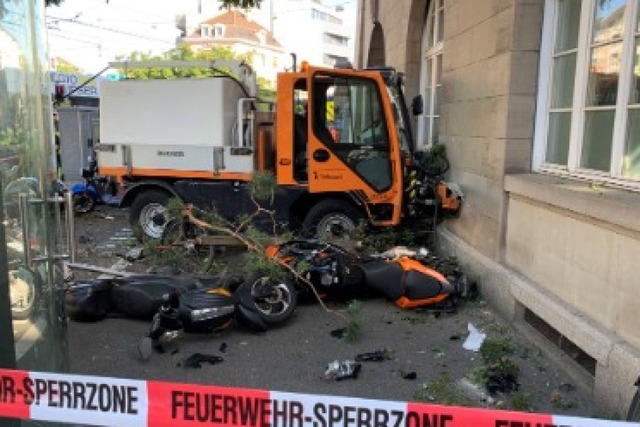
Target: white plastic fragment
[474,340]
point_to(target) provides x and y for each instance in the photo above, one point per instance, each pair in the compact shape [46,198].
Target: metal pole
[71,226]
[23,204]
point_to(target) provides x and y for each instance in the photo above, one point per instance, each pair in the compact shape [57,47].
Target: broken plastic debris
[134,254]
[340,370]
[474,340]
[197,359]
[337,333]
[373,356]
[410,375]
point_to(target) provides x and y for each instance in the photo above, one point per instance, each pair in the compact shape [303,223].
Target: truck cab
[341,134]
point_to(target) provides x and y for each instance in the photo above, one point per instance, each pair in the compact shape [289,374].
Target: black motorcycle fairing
[420,286]
[140,300]
[393,282]
[385,277]
[89,302]
[217,308]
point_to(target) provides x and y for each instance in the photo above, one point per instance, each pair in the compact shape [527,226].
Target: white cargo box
[172,125]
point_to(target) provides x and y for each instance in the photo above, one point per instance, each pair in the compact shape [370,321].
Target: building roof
[237,26]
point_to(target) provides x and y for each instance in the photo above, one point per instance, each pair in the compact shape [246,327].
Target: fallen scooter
[258,303]
[401,275]
[177,304]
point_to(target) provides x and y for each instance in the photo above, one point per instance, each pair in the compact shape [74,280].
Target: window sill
[614,206]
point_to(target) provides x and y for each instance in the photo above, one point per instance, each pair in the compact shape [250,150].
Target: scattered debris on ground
[427,363]
[197,359]
[340,370]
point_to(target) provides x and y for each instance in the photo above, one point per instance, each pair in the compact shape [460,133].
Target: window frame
[432,51]
[579,108]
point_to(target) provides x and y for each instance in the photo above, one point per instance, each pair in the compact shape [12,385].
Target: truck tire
[149,211]
[331,219]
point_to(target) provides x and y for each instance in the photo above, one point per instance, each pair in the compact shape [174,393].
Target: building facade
[244,37]
[538,103]
[313,31]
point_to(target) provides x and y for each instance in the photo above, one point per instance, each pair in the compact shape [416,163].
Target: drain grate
[567,346]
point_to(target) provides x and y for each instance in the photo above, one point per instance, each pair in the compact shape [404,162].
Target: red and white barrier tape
[104,401]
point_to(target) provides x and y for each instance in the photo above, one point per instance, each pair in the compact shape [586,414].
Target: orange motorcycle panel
[406,303]
[408,264]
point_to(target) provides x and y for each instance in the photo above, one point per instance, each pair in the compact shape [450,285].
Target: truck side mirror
[417,106]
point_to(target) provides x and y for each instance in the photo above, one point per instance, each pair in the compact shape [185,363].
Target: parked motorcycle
[401,275]
[93,190]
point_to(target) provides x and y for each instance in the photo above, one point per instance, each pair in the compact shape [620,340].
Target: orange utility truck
[338,142]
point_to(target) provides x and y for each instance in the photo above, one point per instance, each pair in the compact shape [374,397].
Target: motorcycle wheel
[83,203]
[275,300]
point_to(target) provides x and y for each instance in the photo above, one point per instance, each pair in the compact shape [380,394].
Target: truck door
[351,147]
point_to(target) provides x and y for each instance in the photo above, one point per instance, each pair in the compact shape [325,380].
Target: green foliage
[63,67]
[376,240]
[442,391]
[184,52]
[434,159]
[245,4]
[478,375]
[13,137]
[224,4]
[258,262]
[354,321]
[174,206]
[495,349]
[263,185]
[559,401]
[521,401]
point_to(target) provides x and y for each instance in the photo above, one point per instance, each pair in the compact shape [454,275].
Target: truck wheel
[149,210]
[331,219]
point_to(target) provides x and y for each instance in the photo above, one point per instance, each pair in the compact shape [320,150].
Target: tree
[66,67]
[245,4]
[183,52]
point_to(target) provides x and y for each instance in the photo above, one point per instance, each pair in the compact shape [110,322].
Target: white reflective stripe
[317,410]
[88,400]
[562,420]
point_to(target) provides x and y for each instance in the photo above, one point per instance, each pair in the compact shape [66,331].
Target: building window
[205,30]
[219,30]
[324,16]
[431,78]
[333,39]
[588,119]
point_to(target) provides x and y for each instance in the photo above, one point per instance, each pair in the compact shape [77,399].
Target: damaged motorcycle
[408,277]
[256,303]
[177,304]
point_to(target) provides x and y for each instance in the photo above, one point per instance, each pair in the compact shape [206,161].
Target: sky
[90,33]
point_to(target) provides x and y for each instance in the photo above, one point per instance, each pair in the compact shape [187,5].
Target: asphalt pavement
[426,362]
